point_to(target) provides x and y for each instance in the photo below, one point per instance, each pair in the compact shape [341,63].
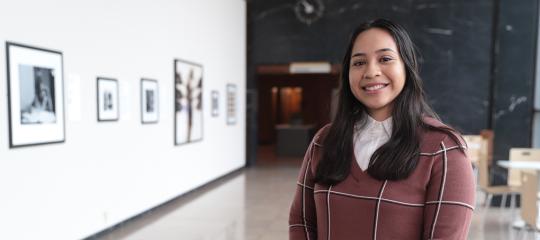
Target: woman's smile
[374,88]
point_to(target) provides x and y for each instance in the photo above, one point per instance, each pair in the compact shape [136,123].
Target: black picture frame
[107,99]
[149,102]
[35,92]
[188,97]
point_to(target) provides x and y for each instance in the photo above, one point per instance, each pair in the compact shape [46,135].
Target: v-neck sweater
[435,202]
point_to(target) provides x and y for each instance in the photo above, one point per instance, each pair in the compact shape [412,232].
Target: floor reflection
[253,204]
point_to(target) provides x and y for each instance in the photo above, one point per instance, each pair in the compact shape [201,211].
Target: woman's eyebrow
[380,50]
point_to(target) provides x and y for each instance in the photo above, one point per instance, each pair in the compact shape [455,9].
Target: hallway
[249,204]
[253,204]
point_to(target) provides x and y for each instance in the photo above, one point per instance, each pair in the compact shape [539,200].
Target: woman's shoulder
[434,138]
[313,153]
[318,138]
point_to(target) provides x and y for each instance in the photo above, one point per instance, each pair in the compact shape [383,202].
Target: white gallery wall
[106,172]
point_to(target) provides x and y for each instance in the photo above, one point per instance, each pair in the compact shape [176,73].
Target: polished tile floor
[253,204]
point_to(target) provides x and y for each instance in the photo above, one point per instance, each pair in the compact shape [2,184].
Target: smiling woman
[386,160]
[377,73]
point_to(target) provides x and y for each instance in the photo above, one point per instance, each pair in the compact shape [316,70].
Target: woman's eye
[359,63]
[386,59]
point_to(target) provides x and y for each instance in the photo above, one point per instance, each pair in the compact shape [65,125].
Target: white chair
[477,151]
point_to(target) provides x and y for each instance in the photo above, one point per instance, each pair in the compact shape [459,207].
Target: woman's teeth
[376,87]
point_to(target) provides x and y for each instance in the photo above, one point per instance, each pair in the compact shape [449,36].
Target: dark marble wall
[515,62]
[459,41]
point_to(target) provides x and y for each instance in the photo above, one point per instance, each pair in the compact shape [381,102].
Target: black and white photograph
[149,101]
[215,103]
[231,104]
[188,91]
[36,97]
[107,99]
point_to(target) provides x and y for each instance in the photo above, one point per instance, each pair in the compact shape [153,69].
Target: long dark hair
[397,158]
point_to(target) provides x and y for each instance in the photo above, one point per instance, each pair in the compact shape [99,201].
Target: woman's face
[43,92]
[377,73]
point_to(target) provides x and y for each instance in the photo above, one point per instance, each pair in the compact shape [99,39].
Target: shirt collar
[372,124]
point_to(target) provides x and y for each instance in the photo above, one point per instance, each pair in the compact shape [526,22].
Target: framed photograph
[188,106]
[35,79]
[215,103]
[231,104]
[108,108]
[149,101]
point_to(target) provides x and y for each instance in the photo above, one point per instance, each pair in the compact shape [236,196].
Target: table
[521,165]
[293,140]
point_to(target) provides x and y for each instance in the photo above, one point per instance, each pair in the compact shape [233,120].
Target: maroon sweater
[435,202]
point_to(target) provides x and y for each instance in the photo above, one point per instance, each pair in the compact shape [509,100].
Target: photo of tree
[188,92]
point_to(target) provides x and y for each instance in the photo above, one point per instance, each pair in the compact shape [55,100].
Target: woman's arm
[302,217]
[450,196]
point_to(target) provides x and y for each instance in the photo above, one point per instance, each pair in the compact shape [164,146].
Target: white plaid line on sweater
[304,193]
[372,198]
[445,162]
[377,211]
[302,225]
[302,185]
[396,201]
[328,207]
[441,151]
[451,203]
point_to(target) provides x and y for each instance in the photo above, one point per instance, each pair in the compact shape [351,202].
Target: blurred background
[267,78]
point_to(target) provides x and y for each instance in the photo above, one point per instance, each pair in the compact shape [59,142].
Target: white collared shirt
[368,138]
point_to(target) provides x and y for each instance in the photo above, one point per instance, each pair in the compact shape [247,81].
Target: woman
[386,168]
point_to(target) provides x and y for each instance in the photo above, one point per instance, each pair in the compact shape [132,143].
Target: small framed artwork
[35,82]
[108,108]
[149,101]
[231,104]
[188,106]
[215,103]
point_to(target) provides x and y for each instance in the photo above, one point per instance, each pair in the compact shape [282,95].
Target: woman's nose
[372,70]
